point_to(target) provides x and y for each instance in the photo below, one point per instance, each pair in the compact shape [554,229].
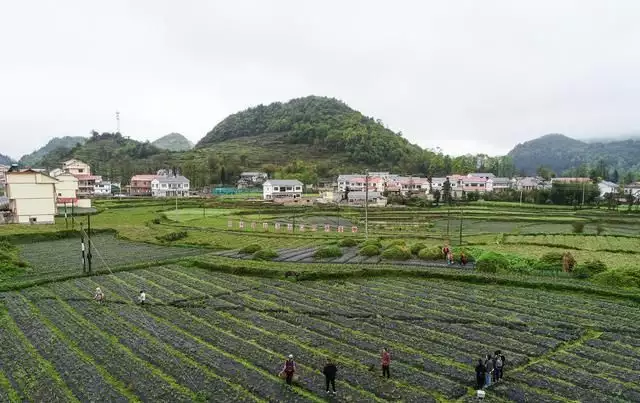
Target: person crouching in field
[99,295]
[329,372]
[142,297]
[463,259]
[289,369]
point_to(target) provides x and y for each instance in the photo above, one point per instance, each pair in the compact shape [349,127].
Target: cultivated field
[219,337]
[226,305]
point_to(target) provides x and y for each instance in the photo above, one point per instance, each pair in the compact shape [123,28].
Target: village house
[501,184]
[87,184]
[76,167]
[486,175]
[32,197]
[102,188]
[375,199]
[529,183]
[66,188]
[140,185]
[281,188]
[170,186]
[3,174]
[251,179]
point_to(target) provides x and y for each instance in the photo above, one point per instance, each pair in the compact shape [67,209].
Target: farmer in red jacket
[289,369]
[386,361]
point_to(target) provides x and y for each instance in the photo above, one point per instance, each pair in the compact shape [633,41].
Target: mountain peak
[173,142]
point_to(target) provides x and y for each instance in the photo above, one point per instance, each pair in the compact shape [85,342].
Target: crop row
[590,242]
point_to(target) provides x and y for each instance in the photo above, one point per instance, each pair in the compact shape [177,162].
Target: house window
[276,189]
[33,220]
[59,194]
[297,188]
[289,188]
[80,171]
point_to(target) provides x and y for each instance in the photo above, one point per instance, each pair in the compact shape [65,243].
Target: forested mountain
[561,153]
[173,142]
[61,143]
[113,156]
[5,160]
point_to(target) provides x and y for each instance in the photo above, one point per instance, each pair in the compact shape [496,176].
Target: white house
[375,199]
[32,197]
[170,186]
[66,188]
[102,188]
[76,167]
[281,188]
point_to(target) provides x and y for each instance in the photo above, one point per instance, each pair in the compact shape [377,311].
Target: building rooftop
[143,177]
[283,182]
[172,179]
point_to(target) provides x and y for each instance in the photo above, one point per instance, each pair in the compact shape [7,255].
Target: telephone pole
[89,241]
[117,122]
[461,218]
[366,204]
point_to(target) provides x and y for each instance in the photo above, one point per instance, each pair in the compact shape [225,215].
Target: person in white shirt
[142,297]
[99,295]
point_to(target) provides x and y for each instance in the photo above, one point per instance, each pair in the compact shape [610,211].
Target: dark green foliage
[397,242]
[589,269]
[375,242]
[431,253]
[369,250]
[172,236]
[622,277]
[600,229]
[265,254]
[577,227]
[173,142]
[61,145]
[5,160]
[251,248]
[560,153]
[396,252]
[328,252]
[417,247]
[156,221]
[324,123]
[492,262]
[348,242]
[551,261]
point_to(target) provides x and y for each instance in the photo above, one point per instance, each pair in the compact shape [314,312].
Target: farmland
[205,335]
[224,309]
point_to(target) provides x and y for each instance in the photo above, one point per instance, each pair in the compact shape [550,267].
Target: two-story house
[32,197]
[281,188]
[474,184]
[102,188]
[76,167]
[66,188]
[170,186]
[87,184]
[141,185]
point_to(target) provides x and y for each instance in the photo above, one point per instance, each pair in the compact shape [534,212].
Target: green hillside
[57,143]
[323,125]
[173,142]
[561,153]
[5,160]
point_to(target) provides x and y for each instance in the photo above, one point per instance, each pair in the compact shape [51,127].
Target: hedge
[369,250]
[328,252]
[492,262]
[251,248]
[396,252]
[265,254]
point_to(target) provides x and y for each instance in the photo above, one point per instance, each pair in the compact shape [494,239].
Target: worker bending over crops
[99,295]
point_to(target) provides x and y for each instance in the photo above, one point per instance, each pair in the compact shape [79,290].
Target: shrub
[328,252]
[432,253]
[172,236]
[397,242]
[374,242]
[417,247]
[396,252]
[589,269]
[492,262]
[369,250]
[156,221]
[577,227]
[9,260]
[622,277]
[265,254]
[551,261]
[348,242]
[600,229]
[251,248]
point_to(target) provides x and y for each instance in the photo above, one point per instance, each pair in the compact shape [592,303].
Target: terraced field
[207,336]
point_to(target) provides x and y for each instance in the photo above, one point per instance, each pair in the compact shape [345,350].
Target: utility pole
[448,219]
[521,196]
[117,122]
[89,241]
[84,260]
[66,220]
[73,220]
[366,204]
[461,218]
[583,183]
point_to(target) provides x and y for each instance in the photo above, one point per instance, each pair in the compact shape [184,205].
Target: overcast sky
[465,76]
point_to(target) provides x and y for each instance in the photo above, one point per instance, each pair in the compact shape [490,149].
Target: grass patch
[396,252]
[328,252]
[369,250]
[265,254]
[251,248]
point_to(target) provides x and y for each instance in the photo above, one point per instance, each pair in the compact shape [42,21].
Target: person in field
[329,372]
[500,361]
[450,258]
[480,374]
[289,369]
[463,259]
[445,251]
[488,373]
[142,297]
[99,295]
[386,363]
